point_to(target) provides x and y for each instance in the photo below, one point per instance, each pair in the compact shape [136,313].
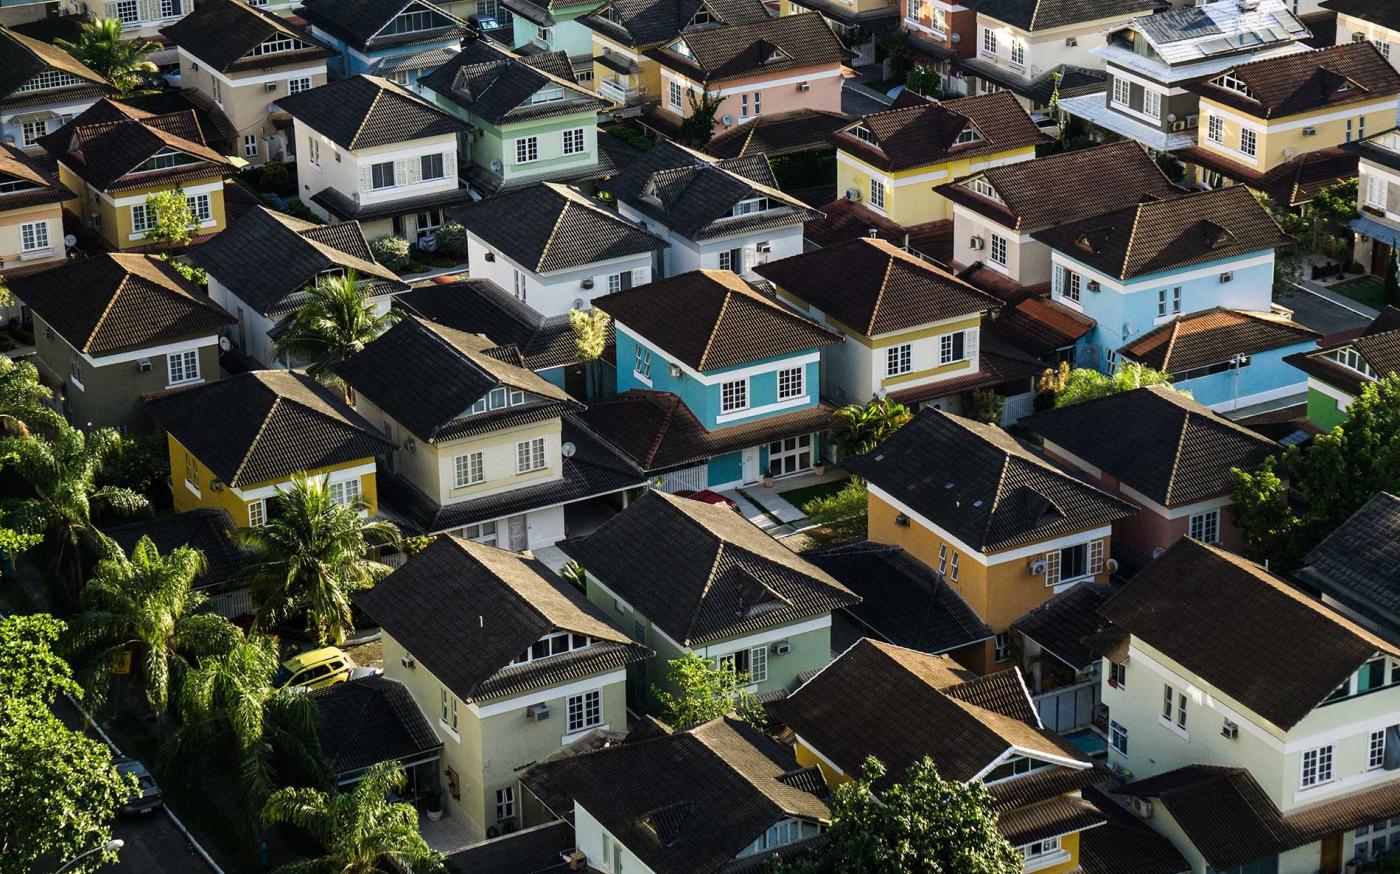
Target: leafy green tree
[194,275]
[924,80]
[705,692]
[310,558]
[174,218]
[839,517]
[118,59]
[1084,384]
[863,427]
[336,321]
[987,406]
[698,127]
[925,823]
[359,830]
[1271,528]
[229,708]
[573,573]
[58,789]
[590,332]
[146,605]
[26,404]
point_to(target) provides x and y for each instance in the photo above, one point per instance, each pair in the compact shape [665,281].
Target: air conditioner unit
[1094,286]
[1111,565]
[490,256]
[1178,125]
[1038,567]
[269,86]
[144,365]
[674,370]
[803,86]
[1227,276]
[1193,120]
[1071,41]
[1142,807]
[764,248]
[537,712]
[976,242]
[782,648]
[853,194]
[1309,131]
[587,283]
[408,661]
[901,521]
[727,120]
[1229,730]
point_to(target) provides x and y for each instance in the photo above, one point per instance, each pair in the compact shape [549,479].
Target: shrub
[392,252]
[296,209]
[452,240]
[276,178]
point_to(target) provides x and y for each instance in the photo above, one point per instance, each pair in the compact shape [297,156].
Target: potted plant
[768,480]
[433,807]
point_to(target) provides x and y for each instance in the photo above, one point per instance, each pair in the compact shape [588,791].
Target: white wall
[554,293]
[686,255]
[349,172]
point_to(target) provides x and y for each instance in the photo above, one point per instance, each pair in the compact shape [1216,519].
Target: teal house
[719,384]
[398,40]
[553,26]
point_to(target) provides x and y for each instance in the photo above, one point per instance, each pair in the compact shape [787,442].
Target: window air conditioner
[1229,730]
[1193,120]
[901,521]
[976,242]
[1038,567]
[144,365]
[782,648]
[764,248]
[853,194]
[490,256]
[1142,807]
[1178,125]
[1071,41]
[537,712]
[803,86]
[1309,131]
[587,283]
[269,86]
[1094,285]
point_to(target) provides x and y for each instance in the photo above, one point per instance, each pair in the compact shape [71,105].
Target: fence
[693,478]
[233,604]
[1068,707]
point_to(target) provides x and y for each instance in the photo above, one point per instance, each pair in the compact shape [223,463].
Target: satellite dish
[496,167]
[728,120]
[70,241]
[568,449]
[225,344]
[1288,151]
[579,303]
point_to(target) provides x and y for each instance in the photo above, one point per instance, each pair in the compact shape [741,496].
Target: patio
[764,505]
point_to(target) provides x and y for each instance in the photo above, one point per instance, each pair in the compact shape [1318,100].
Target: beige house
[31,215]
[1368,21]
[242,59]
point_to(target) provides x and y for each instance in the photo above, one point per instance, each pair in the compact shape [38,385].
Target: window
[791,383]
[527,150]
[345,493]
[142,218]
[1073,562]
[953,575]
[989,41]
[1205,527]
[170,8]
[1118,737]
[1168,302]
[585,711]
[257,513]
[573,141]
[1018,53]
[942,558]
[33,130]
[1375,839]
[127,11]
[1152,103]
[1375,756]
[33,236]
[313,150]
[674,95]
[1249,142]
[199,208]
[758,103]
[734,395]
[250,145]
[643,364]
[899,359]
[276,44]
[468,470]
[544,36]
[758,664]
[1118,675]
[410,21]
[1041,848]
[953,347]
[183,366]
[1001,646]
[750,205]
[505,802]
[518,282]
[1121,89]
[864,134]
[50,79]
[1015,766]
[1376,190]
[998,250]
[877,194]
[1175,716]
[552,645]
[743,106]
[431,166]
[296,86]
[750,663]
[1215,129]
[382,175]
[967,135]
[191,471]
[1349,357]
[529,455]
[1317,767]
[218,91]
[1071,285]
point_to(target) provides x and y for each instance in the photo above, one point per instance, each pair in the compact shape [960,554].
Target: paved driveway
[154,844]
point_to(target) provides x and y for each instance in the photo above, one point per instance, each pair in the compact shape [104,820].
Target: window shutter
[366,178]
[1096,556]
[402,173]
[449,164]
[639,276]
[1052,567]
[970,343]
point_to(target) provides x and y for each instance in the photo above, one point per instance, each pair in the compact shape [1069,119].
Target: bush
[141,464]
[276,178]
[392,252]
[632,137]
[296,209]
[452,240]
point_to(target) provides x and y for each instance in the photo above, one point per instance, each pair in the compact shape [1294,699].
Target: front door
[750,458]
[1331,856]
[519,533]
[1380,258]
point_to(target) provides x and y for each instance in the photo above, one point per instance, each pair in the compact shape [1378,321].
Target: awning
[1376,230]
[530,11]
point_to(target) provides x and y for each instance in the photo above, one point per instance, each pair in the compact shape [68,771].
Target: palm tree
[146,604]
[63,474]
[357,829]
[26,403]
[121,62]
[228,705]
[864,426]
[336,321]
[310,558]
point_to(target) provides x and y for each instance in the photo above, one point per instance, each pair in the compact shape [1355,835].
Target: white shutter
[1096,556]
[1052,567]
[970,343]
[414,167]
[366,178]
[449,163]
[401,171]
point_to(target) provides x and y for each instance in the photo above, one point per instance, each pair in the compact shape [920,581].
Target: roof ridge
[1132,236]
[558,220]
[106,311]
[997,495]
[714,329]
[709,579]
[880,295]
[364,119]
[1176,456]
[262,429]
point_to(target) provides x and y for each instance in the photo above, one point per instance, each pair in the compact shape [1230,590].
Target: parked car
[315,669]
[148,796]
[708,497]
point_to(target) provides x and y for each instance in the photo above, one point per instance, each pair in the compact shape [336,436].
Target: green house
[1338,371]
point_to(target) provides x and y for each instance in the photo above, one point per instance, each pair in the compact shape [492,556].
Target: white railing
[1068,707]
[233,604]
[692,478]
[618,93]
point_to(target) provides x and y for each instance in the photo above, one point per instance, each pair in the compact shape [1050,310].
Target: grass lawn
[799,497]
[1368,290]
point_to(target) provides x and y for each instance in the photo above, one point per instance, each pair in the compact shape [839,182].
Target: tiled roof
[365,111]
[1125,844]
[266,258]
[534,850]
[982,486]
[107,142]
[212,532]
[347,209]
[547,227]
[1162,235]
[265,425]
[1212,336]
[358,22]
[712,319]
[1045,14]
[1041,325]
[1163,444]
[874,287]
[461,368]
[903,602]
[495,85]
[466,610]
[16,166]
[371,720]
[1292,183]
[116,302]
[725,576]
[1047,819]
[781,133]
[645,23]
[926,133]
[1384,14]
[1378,345]
[770,47]
[1359,563]
[1061,624]
[222,34]
[1187,605]
[23,57]
[1292,84]
[1067,187]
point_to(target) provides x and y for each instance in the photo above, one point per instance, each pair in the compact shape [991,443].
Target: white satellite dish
[568,449]
[70,241]
[225,343]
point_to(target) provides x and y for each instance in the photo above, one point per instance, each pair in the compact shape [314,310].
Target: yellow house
[31,215]
[235,442]
[891,161]
[1259,121]
[113,156]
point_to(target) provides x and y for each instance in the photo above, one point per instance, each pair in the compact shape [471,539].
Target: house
[242,58]
[996,210]
[913,331]
[1338,370]
[900,705]
[1153,61]
[146,19]
[114,156]
[860,26]
[1144,265]
[236,442]
[720,385]
[114,327]
[720,797]
[42,87]
[370,151]
[555,249]
[214,534]
[368,720]
[1261,116]
[730,593]
[260,268]
[778,134]
[488,453]
[510,663]
[530,121]
[1246,750]
[399,40]
[1004,527]
[1377,226]
[715,214]
[536,849]
[553,26]
[1359,20]
[1167,454]
[771,65]
[31,215]
[1061,670]
[1356,568]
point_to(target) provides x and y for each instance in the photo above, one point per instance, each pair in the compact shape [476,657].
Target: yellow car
[315,669]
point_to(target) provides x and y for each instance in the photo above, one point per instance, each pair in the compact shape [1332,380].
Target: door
[1331,856]
[750,465]
[519,533]
[1380,258]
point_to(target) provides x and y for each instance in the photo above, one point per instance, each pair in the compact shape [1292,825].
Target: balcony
[619,93]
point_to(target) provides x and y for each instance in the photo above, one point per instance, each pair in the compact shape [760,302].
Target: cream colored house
[31,215]
[1368,21]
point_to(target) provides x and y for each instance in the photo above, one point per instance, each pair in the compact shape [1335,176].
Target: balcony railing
[1068,707]
[620,93]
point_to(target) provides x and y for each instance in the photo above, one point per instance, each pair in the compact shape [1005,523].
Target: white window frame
[200,208]
[1072,286]
[298,84]
[1249,142]
[642,366]
[1215,129]
[344,493]
[527,150]
[989,41]
[877,193]
[673,96]
[505,803]
[1018,53]
[734,395]
[1317,767]
[257,513]
[468,469]
[574,142]
[34,237]
[583,711]
[792,382]
[530,456]
[996,250]
[382,175]
[1375,751]
[1152,103]
[1122,89]
[899,359]
[1205,527]
[1118,737]
[182,367]
[250,145]
[31,131]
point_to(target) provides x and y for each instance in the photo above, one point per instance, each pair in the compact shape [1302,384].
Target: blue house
[719,384]
[400,40]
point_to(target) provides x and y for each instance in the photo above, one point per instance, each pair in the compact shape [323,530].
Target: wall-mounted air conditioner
[976,242]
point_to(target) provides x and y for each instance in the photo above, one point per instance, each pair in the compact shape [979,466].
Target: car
[708,497]
[315,669]
[148,795]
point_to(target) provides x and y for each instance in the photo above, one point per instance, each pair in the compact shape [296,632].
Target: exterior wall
[1266,378]
[110,214]
[150,18]
[1327,406]
[567,35]
[1027,259]
[773,93]
[12,119]
[644,84]
[1048,48]
[909,195]
[1174,100]
[251,333]
[350,62]
[588,836]
[554,293]
[1349,28]
[494,143]
[1283,138]
[244,97]
[11,243]
[918,20]
[685,255]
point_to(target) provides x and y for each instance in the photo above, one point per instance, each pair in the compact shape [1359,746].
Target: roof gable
[1214,336]
[22,58]
[365,24]
[499,86]
[363,112]
[229,35]
[110,144]
[766,47]
[1308,81]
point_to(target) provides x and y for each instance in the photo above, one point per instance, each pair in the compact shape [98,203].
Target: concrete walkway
[753,500]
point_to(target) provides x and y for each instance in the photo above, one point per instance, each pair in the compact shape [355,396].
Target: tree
[118,59]
[706,692]
[336,321]
[25,402]
[146,605]
[696,129]
[839,517]
[174,220]
[925,823]
[63,475]
[310,557]
[58,790]
[1084,384]
[590,332]
[573,573]
[863,427]
[1262,513]
[229,706]
[924,80]
[988,406]
[360,829]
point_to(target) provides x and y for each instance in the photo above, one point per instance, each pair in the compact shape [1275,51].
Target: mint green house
[683,576]
[1337,372]
[553,26]
[531,122]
